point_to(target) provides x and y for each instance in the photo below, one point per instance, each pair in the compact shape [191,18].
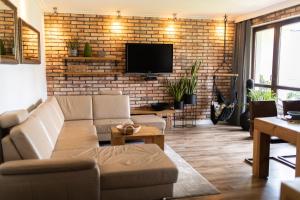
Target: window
[276,58]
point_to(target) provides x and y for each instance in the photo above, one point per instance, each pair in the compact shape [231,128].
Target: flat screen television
[149,58]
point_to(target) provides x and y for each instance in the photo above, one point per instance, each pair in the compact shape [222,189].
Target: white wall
[22,85]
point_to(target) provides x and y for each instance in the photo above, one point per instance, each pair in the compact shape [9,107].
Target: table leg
[261,151]
[117,141]
[297,170]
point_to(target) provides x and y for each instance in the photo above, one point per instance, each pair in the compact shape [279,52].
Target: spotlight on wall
[171,26]
[116,26]
[221,29]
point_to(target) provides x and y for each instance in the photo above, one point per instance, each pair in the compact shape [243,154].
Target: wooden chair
[290,106]
[261,109]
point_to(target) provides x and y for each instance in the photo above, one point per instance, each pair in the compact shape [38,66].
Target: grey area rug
[190,183]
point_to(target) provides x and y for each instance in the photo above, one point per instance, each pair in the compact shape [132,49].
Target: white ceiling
[165,8]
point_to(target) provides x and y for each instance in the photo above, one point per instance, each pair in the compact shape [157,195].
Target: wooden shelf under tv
[92,73]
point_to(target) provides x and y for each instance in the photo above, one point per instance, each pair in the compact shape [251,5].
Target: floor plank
[218,153]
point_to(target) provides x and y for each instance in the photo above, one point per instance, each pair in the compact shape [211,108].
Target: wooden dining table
[266,127]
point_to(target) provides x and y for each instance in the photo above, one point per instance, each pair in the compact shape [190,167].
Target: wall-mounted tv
[149,58]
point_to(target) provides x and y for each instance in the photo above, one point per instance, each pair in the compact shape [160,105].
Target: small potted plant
[73,47]
[191,84]
[176,89]
[2,48]
[87,50]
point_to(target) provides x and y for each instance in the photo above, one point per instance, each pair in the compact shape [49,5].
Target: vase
[178,105]
[190,99]
[73,52]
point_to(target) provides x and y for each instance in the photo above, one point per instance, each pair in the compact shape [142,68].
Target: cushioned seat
[103,127]
[133,166]
[150,120]
[79,123]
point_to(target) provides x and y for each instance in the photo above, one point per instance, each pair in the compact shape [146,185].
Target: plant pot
[73,52]
[190,99]
[178,105]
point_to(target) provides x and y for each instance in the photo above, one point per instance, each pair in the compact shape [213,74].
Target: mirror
[29,44]
[8,33]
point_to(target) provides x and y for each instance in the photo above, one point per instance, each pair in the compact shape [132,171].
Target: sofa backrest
[111,107]
[76,107]
[32,139]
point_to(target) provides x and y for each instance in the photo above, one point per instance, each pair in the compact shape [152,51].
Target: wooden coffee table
[149,134]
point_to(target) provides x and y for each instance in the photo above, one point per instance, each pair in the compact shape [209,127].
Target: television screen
[149,58]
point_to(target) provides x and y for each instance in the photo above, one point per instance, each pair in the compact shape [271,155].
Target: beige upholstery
[150,120]
[79,123]
[76,107]
[110,92]
[103,127]
[290,190]
[49,180]
[129,166]
[32,140]
[54,104]
[13,118]
[35,105]
[9,150]
[111,107]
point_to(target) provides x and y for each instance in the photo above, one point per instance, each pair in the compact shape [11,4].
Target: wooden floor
[218,153]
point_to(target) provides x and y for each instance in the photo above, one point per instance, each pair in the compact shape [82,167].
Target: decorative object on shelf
[2,48]
[176,89]
[102,53]
[191,84]
[129,129]
[87,50]
[73,47]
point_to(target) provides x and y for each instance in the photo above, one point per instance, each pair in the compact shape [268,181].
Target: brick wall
[30,43]
[7,29]
[193,39]
[278,15]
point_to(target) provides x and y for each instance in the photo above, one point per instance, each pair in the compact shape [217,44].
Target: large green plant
[192,81]
[176,89]
[262,95]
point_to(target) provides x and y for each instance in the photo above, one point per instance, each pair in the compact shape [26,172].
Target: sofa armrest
[45,166]
[72,179]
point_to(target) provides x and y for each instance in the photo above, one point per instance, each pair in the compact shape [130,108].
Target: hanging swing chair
[221,107]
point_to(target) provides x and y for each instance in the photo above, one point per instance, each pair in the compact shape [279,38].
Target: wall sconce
[116,26]
[171,27]
[55,11]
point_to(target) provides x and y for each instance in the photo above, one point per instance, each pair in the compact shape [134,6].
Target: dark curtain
[241,65]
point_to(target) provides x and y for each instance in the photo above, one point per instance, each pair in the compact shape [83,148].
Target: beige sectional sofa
[54,153]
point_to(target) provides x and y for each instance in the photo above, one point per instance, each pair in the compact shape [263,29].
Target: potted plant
[176,89]
[191,84]
[73,47]
[2,48]
[87,50]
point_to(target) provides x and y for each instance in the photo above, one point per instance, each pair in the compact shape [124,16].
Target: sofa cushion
[53,102]
[76,107]
[77,137]
[9,150]
[129,166]
[32,140]
[79,123]
[13,118]
[50,119]
[103,126]
[111,107]
[149,120]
